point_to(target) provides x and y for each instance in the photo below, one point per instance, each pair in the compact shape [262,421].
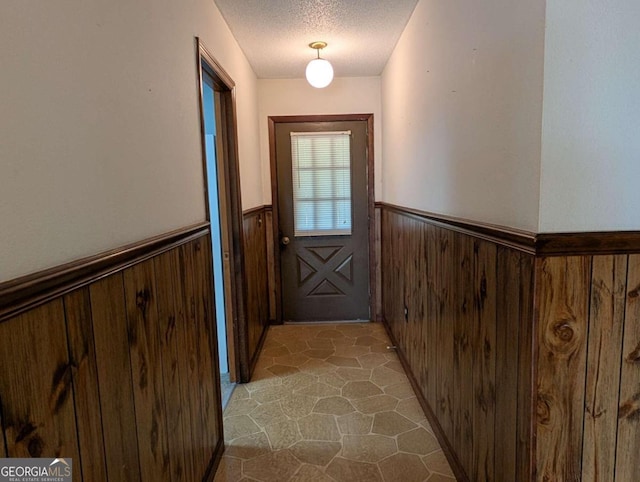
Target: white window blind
[321,174]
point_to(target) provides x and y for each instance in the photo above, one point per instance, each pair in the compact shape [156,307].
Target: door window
[321,175]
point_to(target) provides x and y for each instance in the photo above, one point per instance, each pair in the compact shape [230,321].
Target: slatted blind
[321,174]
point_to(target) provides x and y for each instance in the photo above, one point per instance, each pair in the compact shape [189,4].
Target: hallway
[329,402]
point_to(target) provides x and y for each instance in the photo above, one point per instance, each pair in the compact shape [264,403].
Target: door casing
[230,212]
[273,120]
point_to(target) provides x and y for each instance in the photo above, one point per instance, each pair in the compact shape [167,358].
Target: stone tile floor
[329,402]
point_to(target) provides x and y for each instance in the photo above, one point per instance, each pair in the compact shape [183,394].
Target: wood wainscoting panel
[419,301]
[606,323]
[526,416]
[507,351]
[483,401]
[271,263]
[452,303]
[562,292]
[445,291]
[377,249]
[463,328]
[628,430]
[191,336]
[432,316]
[200,291]
[146,370]
[587,367]
[178,356]
[114,374]
[405,329]
[256,273]
[82,356]
[429,378]
[36,388]
[390,274]
[524,347]
[119,372]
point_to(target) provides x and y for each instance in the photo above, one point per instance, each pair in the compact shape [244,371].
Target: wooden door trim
[238,346]
[273,120]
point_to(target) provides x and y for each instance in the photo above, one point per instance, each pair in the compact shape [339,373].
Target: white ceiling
[275,34]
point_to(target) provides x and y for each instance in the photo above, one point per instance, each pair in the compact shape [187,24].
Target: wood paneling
[256,273]
[146,369]
[528,358]
[526,416]
[507,350]
[563,297]
[445,349]
[206,350]
[606,320]
[628,445]
[36,388]
[271,263]
[178,363]
[484,359]
[460,336]
[119,374]
[587,383]
[197,373]
[114,375]
[378,264]
[463,336]
[432,316]
[82,356]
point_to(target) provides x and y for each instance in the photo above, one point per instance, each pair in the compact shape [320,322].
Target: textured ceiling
[275,34]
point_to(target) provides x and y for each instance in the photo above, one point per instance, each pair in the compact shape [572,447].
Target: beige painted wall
[591,120]
[462,111]
[353,95]
[99,125]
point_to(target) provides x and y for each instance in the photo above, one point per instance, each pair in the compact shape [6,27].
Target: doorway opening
[224,213]
[209,120]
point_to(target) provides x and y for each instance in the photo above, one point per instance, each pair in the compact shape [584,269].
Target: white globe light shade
[319,73]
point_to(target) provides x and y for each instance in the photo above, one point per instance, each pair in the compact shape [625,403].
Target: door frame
[273,121]
[230,211]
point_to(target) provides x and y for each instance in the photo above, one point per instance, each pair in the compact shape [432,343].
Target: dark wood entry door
[324,266]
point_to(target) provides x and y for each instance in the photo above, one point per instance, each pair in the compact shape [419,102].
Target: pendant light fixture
[319,71]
